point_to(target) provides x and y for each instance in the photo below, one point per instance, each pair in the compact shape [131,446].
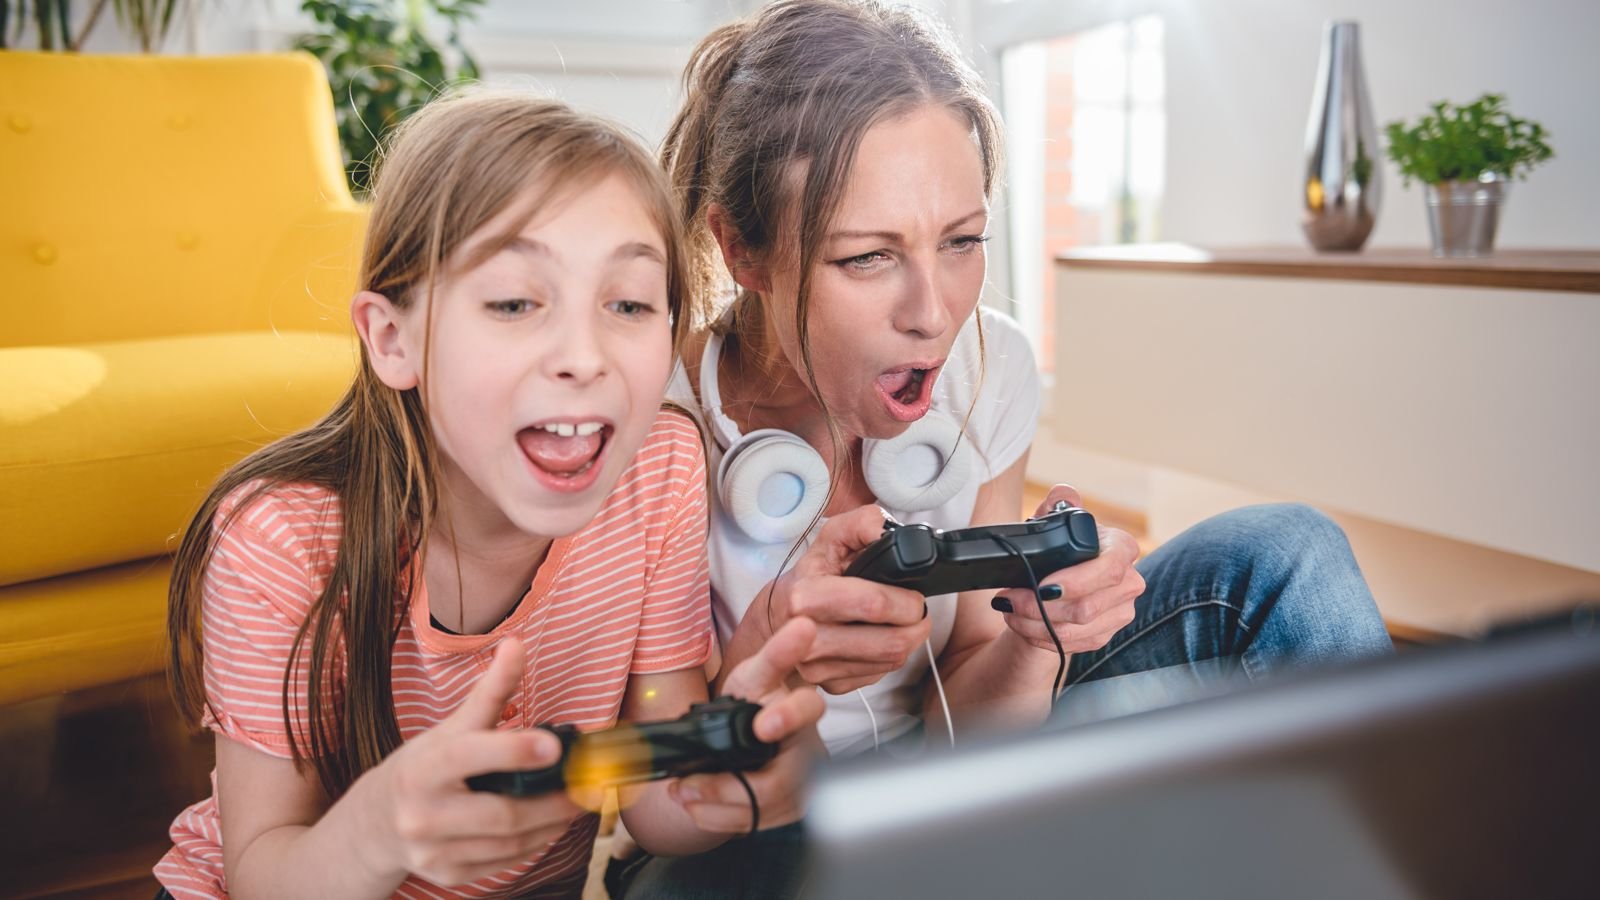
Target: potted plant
[383,65]
[1466,156]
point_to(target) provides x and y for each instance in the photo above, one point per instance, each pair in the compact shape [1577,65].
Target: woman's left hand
[718,802]
[1096,597]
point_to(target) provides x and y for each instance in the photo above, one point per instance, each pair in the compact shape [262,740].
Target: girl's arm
[412,814]
[694,814]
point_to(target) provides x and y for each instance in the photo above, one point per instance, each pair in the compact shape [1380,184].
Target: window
[1086,141]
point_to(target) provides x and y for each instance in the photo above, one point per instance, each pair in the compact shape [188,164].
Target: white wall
[1239,82]
[619,58]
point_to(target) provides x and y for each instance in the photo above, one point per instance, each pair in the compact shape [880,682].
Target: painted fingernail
[1001,604]
[924,609]
[1050,592]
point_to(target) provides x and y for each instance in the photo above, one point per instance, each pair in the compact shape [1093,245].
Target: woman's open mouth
[566,455]
[907,392]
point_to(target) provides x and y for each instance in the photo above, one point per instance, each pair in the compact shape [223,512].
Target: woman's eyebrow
[897,236]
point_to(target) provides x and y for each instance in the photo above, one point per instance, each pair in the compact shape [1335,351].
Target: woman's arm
[990,674]
[411,814]
[1001,668]
[864,630]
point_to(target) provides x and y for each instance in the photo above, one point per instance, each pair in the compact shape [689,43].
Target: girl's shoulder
[271,507]
[281,528]
[668,472]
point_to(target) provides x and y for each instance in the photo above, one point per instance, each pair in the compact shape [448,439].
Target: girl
[838,160]
[351,609]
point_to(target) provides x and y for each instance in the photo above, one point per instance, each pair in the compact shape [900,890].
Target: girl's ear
[747,273]
[381,327]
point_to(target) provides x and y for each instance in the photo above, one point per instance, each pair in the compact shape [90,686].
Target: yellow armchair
[177,253]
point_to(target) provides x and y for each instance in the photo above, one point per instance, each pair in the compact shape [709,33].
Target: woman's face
[897,274]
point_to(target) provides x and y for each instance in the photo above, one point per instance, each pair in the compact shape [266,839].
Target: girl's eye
[633,309]
[509,308]
[968,242]
[864,262]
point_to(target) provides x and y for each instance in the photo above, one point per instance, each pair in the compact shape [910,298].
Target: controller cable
[1038,597]
[723,760]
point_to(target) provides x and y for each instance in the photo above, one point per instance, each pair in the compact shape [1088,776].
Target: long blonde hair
[449,169]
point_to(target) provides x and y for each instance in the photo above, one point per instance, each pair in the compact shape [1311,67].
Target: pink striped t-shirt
[626,595]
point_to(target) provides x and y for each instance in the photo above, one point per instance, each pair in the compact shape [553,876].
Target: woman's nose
[923,313]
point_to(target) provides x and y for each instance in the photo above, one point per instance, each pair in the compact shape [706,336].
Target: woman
[837,160]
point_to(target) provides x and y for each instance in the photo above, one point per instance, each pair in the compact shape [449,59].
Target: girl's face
[549,359]
[897,274]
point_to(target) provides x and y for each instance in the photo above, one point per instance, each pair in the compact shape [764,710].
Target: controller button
[915,547]
[1083,531]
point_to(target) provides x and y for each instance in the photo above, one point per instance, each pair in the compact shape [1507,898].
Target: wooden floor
[89,785]
[90,782]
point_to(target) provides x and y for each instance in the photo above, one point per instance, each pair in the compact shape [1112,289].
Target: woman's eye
[509,307]
[863,262]
[968,242]
[633,309]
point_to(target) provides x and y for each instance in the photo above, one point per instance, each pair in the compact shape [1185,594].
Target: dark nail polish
[924,609]
[1050,592]
[1001,604]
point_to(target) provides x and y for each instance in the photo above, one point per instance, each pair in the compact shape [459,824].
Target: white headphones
[773,484]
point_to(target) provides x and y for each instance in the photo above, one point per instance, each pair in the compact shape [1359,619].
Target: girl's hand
[431,825]
[865,630]
[1096,599]
[718,802]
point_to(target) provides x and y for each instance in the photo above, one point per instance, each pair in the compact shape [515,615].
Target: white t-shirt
[1004,417]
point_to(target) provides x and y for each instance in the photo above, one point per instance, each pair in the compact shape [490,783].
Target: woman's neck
[761,388]
[478,565]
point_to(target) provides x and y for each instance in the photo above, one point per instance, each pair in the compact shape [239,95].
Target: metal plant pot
[1462,215]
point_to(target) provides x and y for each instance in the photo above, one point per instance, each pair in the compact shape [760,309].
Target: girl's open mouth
[907,392]
[566,455]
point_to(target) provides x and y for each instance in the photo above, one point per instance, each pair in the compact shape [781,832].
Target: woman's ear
[747,273]
[382,330]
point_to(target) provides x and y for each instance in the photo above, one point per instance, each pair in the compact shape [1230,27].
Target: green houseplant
[383,65]
[52,21]
[1465,156]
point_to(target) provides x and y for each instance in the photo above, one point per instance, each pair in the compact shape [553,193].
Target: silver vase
[1462,215]
[1343,180]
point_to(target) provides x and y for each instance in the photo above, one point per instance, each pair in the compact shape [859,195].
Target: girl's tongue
[560,455]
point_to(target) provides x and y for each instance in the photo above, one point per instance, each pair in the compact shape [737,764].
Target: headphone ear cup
[772,484]
[921,469]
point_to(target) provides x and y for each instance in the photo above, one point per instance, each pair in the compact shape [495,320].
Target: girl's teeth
[567,429]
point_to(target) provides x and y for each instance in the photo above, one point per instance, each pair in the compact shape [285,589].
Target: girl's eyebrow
[897,236]
[624,252]
[636,249]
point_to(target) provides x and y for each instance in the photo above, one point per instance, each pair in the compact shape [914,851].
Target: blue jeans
[1240,596]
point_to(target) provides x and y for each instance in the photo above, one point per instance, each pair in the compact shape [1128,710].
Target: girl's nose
[577,355]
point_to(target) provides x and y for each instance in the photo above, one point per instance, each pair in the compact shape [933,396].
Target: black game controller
[718,736]
[933,562]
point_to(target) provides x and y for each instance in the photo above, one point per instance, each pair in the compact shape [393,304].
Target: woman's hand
[717,802]
[865,630]
[1096,597]
[430,824]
